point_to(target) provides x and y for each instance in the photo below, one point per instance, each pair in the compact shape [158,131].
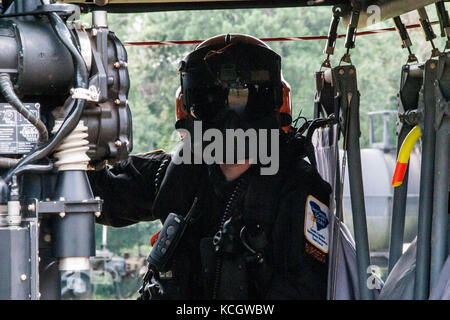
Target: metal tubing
[421,289]
[398,210]
[440,201]
[357,200]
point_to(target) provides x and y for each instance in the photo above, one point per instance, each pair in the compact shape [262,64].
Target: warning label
[17,134]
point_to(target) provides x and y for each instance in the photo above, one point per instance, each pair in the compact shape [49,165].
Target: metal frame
[439,238]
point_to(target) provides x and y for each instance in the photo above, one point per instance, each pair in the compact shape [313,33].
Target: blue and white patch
[316,223]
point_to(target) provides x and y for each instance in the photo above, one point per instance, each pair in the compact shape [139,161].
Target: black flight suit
[270,259]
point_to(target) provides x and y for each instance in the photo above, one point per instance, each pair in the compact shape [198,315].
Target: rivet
[62,214]
[23,277]
[97,214]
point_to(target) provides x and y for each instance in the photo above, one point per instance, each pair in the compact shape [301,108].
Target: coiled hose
[77,105]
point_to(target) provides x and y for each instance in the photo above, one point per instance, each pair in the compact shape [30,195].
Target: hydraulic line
[7,89]
[71,121]
[35,168]
[406,40]
[428,30]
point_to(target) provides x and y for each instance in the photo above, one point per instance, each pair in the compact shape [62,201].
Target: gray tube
[357,199]
[440,202]
[398,210]
[422,276]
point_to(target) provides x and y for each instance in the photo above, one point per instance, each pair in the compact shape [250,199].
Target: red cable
[185,42]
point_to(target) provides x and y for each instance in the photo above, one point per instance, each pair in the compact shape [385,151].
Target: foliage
[154,79]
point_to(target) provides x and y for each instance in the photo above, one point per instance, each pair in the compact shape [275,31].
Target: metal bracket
[345,82]
[65,206]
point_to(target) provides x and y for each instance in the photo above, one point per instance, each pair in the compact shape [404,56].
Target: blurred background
[153,70]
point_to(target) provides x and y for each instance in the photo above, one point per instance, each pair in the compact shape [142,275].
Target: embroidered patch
[316,223]
[316,253]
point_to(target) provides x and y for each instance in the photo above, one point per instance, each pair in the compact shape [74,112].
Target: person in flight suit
[249,235]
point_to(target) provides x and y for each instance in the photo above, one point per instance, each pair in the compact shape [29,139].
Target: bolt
[47,238]
[98,214]
[118,143]
[94,32]
[37,105]
[62,214]
[352,71]
[23,277]
[31,207]
[97,198]
[433,65]
[117,101]
[341,72]
[117,65]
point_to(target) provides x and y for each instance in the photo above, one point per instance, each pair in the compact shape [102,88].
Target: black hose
[7,89]
[72,119]
[35,168]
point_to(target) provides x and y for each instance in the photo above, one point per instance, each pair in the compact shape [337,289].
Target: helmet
[236,71]
[284,114]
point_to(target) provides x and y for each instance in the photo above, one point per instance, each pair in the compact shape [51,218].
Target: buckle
[151,287]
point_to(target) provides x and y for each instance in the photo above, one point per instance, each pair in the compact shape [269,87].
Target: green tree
[154,78]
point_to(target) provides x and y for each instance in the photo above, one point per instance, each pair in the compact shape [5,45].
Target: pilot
[252,229]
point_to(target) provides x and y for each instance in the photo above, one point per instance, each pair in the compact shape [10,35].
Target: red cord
[279,39]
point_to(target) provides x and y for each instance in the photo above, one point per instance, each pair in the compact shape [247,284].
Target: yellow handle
[404,154]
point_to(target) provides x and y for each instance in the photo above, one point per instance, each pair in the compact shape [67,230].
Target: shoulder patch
[316,223]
